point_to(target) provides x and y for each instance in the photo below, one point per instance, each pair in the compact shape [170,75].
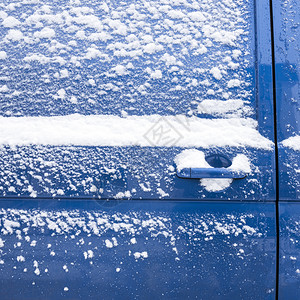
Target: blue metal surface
[141,169]
[210,173]
[73,241]
[289,250]
[75,72]
[84,55]
[287,67]
[137,249]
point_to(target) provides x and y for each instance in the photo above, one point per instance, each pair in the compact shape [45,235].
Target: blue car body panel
[137,249]
[65,62]
[289,268]
[287,70]
[170,237]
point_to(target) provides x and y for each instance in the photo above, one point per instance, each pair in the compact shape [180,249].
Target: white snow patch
[45,33]
[157,74]
[292,142]
[201,50]
[108,244]
[169,60]
[73,100]
[120,70]
[92,53]
[3,55]
[111,130]
[152,48]
[93,189]
[33,243]
[215,71]
[37,270]
[215,184]
[92,82]
[61,94]
[133,241]
[234,83]
[236,53]
[121,195]
[142,255]
[37,57]
[222,36]
[20,258]
[144,188]
[196,16]
[60,192]
[4,89]
[9,225]
[219,107]
[10,22]
[176,14]
[191,158]
[12,189]
[88,254]
[14,35]
[64,73]
[162,192]
[3,15]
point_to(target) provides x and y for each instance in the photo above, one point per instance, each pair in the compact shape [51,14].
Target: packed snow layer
[220,107]
[292,142]
[192,158]
[148,130]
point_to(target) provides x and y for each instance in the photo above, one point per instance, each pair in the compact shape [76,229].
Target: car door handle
[197,173]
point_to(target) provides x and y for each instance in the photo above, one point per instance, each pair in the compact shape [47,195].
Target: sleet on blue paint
[105,248]
[105,56]
[115,172]
[161,251]
[287,67]
[289,245]
[129,58]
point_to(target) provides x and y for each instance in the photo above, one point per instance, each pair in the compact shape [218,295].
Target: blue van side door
[287,70]
[121,122]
